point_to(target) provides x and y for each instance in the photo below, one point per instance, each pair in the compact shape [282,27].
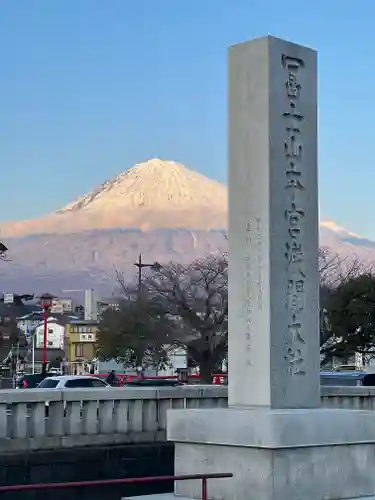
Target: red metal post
[204,488]
[44,365]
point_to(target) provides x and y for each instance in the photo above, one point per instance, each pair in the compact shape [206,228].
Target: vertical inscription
[259,264]
[248,291]
[295,215]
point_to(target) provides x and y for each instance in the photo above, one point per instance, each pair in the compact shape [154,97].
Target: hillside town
[71,337]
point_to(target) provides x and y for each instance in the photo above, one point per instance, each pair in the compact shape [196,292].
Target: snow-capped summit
[335,228]
[154,184]
[154,194]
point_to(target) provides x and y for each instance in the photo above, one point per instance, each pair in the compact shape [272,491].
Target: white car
[73,382]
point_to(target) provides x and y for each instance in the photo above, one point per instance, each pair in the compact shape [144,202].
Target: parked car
[355,378]
[31,381]
[72,382]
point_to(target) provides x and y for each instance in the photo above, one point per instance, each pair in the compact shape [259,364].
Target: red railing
[110,482]
[217,379]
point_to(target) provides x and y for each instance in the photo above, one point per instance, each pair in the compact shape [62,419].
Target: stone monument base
[319,454]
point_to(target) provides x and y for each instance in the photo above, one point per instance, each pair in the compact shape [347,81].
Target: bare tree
[195,296]
[342,280]
[334,269]
[135,334]
[191,304]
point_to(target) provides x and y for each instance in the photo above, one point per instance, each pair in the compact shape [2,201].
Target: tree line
[186,306]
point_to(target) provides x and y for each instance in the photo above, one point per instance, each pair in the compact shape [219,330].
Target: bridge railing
[119,415]
[46,419]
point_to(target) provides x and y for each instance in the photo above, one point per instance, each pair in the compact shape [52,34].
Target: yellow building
[82,338]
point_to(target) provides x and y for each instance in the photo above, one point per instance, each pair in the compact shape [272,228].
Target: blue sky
[90,87]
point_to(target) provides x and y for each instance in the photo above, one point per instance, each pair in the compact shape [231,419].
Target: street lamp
[140,266]
[46,302]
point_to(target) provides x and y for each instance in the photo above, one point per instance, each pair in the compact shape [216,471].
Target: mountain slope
[84,259]
[158,208]
[55,262]
[152,195]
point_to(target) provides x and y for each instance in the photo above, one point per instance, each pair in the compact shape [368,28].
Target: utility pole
[140,266]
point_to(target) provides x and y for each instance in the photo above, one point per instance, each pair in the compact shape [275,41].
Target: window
[79,350]
[96,382]
[50,330]
[48,383]
[88,383]
[78,383]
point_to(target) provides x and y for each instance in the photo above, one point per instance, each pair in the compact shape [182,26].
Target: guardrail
[119,415]
[110,482]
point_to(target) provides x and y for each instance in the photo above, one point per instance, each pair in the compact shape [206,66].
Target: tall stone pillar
[273,226]
[274,437]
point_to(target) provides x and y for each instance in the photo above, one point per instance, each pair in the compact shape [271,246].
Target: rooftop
[84,321]
[52,317]
[16,310]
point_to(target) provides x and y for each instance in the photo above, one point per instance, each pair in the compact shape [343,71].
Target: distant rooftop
[83,321]
[58,317]
[17,310]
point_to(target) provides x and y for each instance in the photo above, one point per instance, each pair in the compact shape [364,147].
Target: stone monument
[274,437]
[273,226]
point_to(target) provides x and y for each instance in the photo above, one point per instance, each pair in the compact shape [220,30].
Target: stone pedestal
[276,454]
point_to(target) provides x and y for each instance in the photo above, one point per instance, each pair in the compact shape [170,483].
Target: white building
[91,306]
[55,335]
[177,360]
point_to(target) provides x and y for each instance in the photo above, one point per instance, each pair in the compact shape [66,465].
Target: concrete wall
[84,464]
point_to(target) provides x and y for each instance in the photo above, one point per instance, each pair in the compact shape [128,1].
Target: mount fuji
[158,208]
[152,195]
